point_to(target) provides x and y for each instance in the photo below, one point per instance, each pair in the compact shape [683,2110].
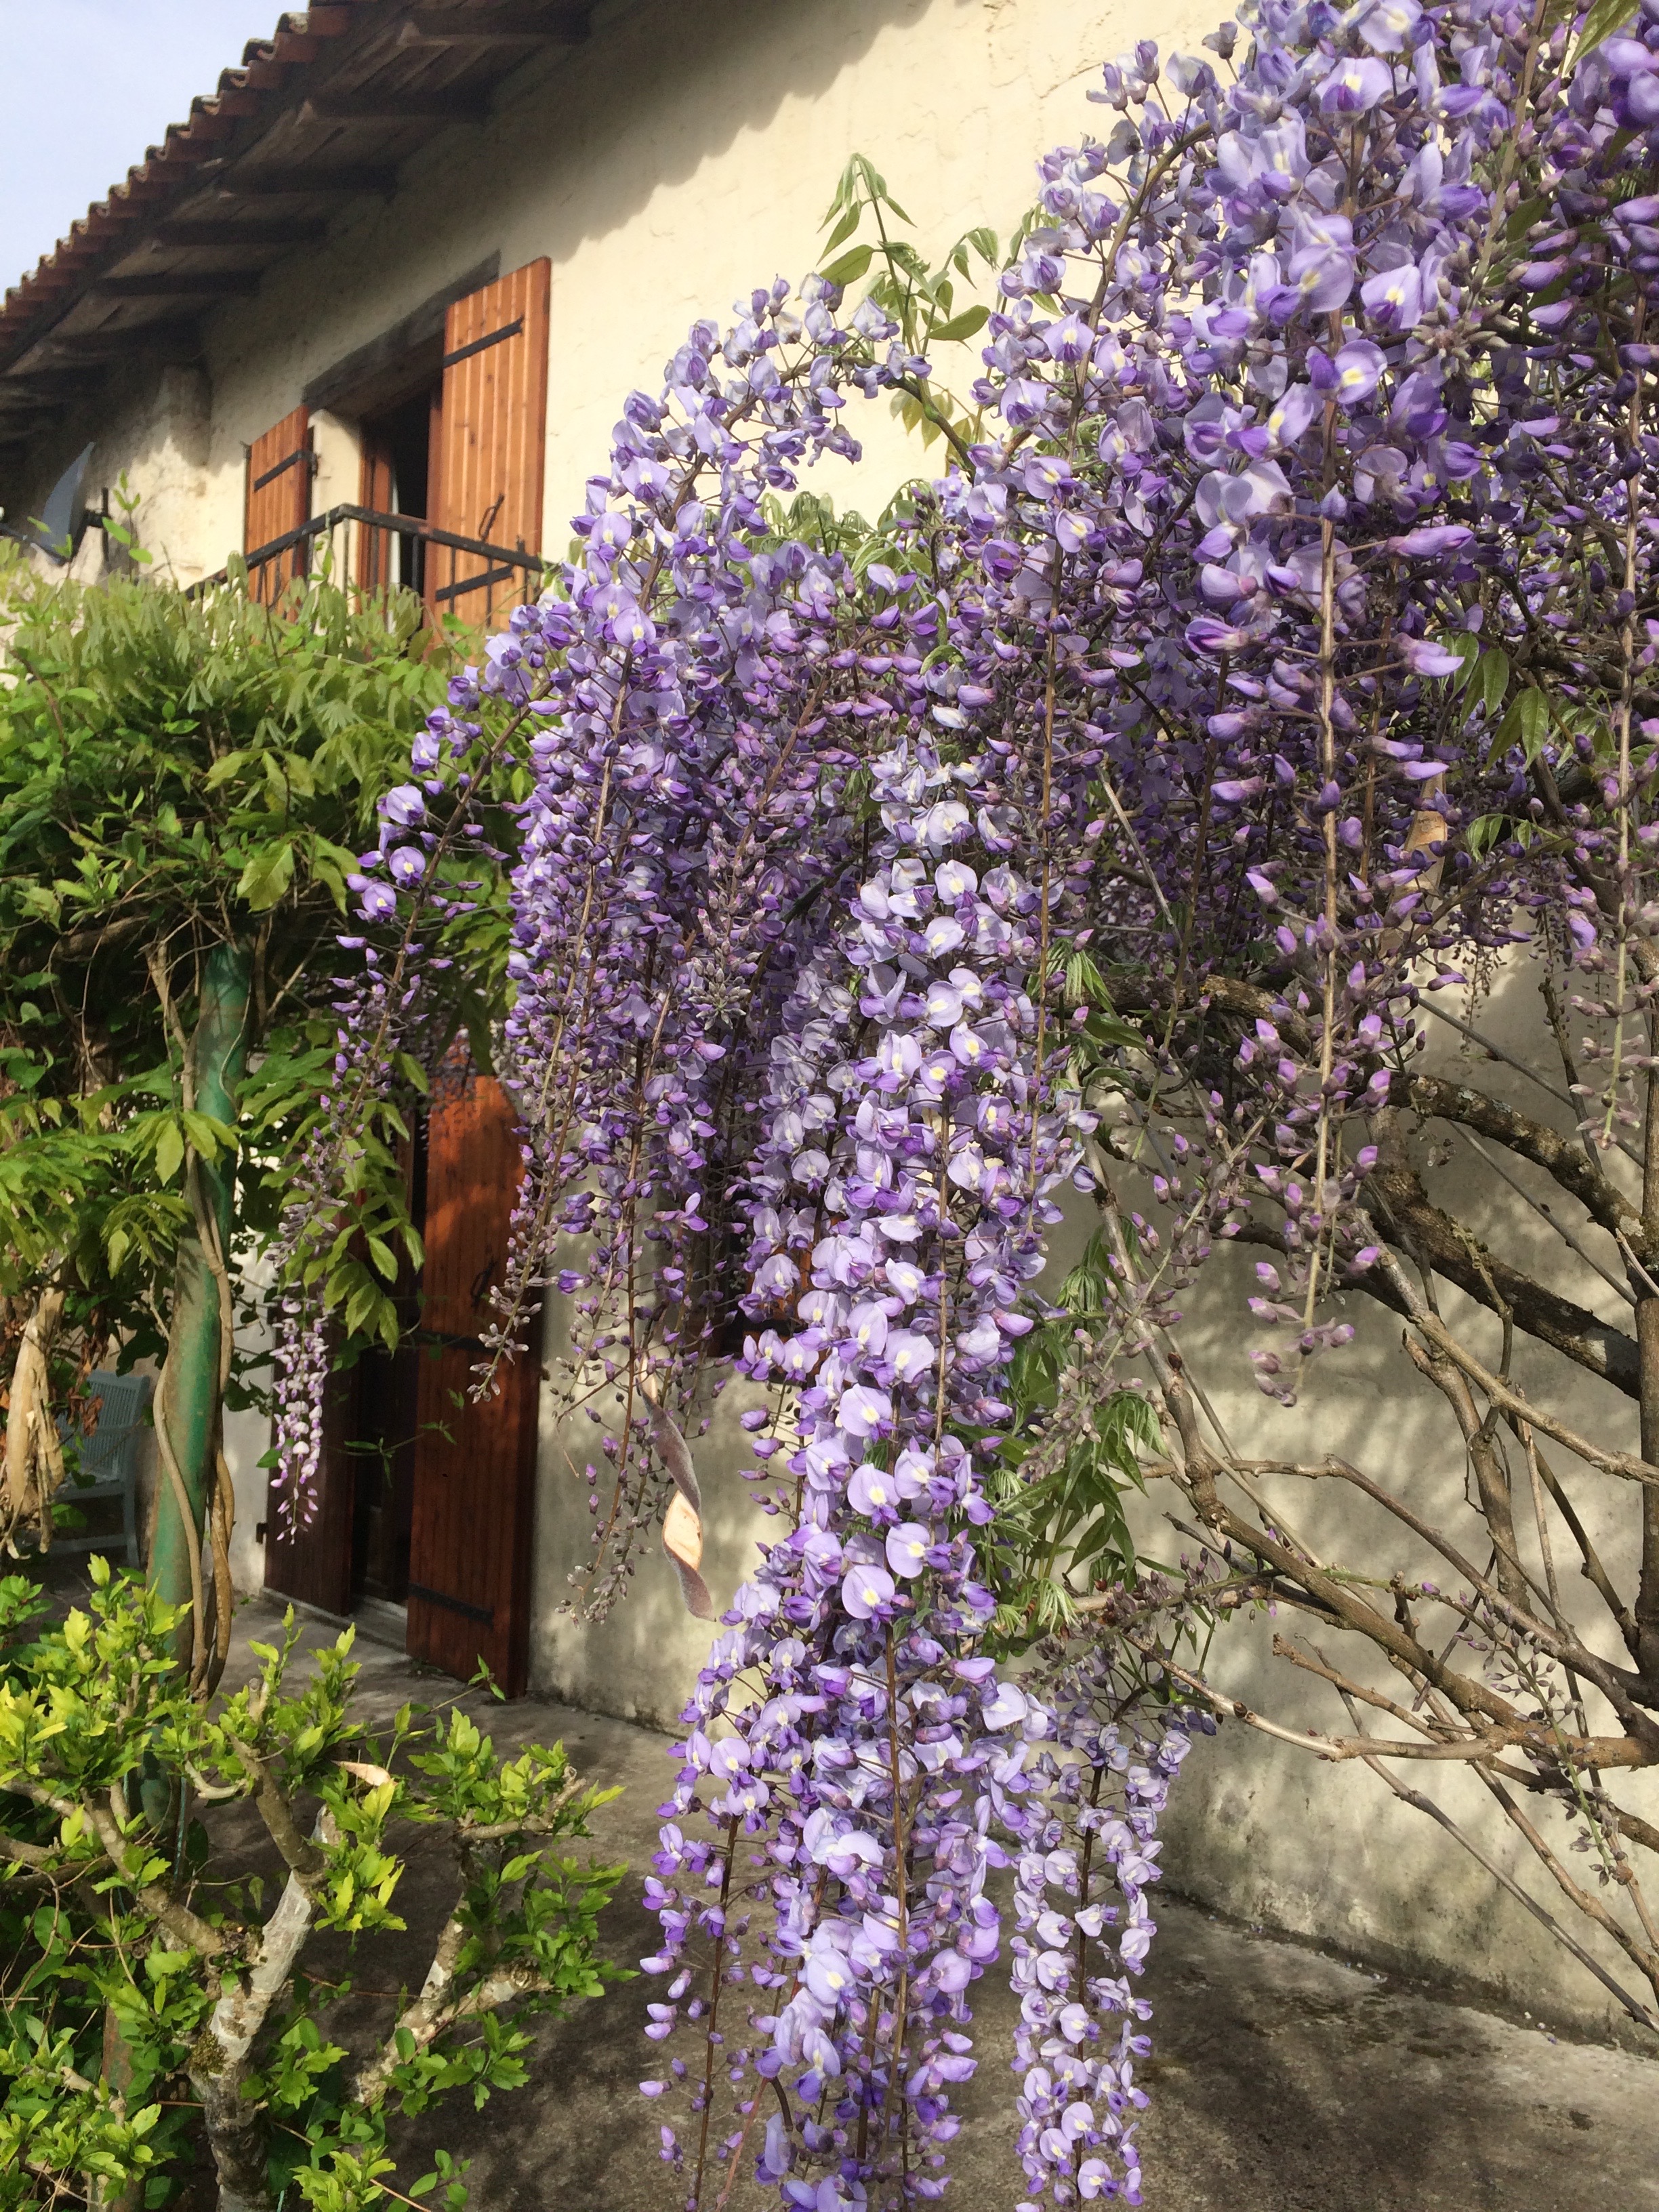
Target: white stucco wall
[641,1660]
[1270,1832]
[1263,1831]
[685,155]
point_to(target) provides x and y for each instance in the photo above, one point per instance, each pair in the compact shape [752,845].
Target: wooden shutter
[475,1463]
[493,422]
[279,467]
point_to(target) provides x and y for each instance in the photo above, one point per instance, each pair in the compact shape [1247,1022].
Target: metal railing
[373,552]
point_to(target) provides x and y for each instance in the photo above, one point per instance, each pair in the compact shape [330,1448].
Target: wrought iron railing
[374,552]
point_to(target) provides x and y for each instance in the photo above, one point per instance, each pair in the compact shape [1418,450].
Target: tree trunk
[189,1409]
[189,1400]
[239,2130]
[34,1458]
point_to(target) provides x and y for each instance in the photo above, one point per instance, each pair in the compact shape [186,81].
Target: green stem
[191,1398]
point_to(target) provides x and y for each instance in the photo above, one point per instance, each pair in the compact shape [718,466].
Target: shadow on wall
[657,92]
[710,74]
[640,1662]
[1267,1832]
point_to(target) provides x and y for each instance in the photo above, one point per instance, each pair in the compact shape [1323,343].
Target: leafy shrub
[147,1992]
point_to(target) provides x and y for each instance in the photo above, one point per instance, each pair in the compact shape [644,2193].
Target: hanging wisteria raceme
[300,1361]
[1318,396]
[1255,660]
[688,812]
[873,1748]
[1366,440]
[393,1028]
[1086,1857]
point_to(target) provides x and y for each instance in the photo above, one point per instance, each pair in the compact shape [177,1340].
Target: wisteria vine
[1303,553]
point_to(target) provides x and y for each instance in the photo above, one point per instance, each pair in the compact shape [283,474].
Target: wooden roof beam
[393,107]
[314,184]
[494,27]
[172,340]
[180,285]
[50,392]
[291,230]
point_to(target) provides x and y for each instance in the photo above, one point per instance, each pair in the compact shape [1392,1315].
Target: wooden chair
[109,1459]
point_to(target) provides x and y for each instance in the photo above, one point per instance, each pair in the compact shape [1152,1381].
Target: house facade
[380,297]
[406,262]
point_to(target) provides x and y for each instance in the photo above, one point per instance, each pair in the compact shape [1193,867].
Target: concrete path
[1283,2081]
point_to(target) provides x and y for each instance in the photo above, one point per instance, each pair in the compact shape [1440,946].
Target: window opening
[397,443]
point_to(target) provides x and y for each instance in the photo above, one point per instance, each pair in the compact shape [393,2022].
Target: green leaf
[1467,645]
[960,326]
[1487,830]
[207,1136]
[267,876]
[169,1151]
[850,267]
[1605,17]
[222,770]
[844,229]
[1492,679]
[1526,723]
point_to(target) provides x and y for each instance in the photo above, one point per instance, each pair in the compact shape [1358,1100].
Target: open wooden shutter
[493,422]
[475,1463]
[279,467]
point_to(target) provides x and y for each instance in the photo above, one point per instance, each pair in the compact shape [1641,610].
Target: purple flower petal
[865,1590]
[906,1548]
[1430,542]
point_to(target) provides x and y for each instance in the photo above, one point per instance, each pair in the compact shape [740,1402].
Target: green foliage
[179,773]
[932,307]
[1601,21]
[1065,1466]
[104,1919]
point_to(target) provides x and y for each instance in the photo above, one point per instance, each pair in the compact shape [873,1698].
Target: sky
[86,86]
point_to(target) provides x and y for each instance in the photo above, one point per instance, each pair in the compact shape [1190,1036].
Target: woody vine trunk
[194,1487]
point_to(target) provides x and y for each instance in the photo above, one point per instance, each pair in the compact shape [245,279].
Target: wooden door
[475,1463]
[311,1561]
[279,470]
[491,429]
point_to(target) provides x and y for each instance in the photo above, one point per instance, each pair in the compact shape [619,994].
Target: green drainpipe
[189,1400]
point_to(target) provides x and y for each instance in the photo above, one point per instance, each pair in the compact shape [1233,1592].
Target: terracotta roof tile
[385,76]
[266,70]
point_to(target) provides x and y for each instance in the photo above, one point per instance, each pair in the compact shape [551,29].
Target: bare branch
[1640,1955]
[303,1858]
[187,1927]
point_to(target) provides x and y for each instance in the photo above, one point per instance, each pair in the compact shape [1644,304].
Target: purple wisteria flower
[1206,688]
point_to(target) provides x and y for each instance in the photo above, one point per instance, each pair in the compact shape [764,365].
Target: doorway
[398,447]
[424,1511]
